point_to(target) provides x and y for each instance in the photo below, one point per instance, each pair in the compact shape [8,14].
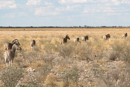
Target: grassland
[96,62]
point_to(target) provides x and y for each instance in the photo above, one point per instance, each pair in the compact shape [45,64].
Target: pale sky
[64,12]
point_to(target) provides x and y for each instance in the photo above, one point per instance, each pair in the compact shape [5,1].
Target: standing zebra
[84,38]
[76,40]
[8,46]
[10,54]
[124,35]
[32,43]
[106,37]
[64,40]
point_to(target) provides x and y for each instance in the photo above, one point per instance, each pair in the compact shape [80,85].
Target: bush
[66,50]
[48,48]
[113,56]
[48,58]
[71,75]
[43,71]
[118,47]
[51,81]
[11,76]
[37,48]
[127,54]
[30,57]
[84,52]
[2,42]
[30,84]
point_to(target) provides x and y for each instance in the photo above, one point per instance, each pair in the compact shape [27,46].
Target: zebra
[10,54]
[64,40]
[32,44]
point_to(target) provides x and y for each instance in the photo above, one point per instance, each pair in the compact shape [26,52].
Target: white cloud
[86,10]
[99,9]
[68,8]
[73,1]
[8,4]
[113,13]
[10,15]
[126,1]
[33,2]
[47,3]
[22,14]
[108,9]
[116,2]
[46,11]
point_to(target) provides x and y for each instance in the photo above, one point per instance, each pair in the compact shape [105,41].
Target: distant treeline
[65,26]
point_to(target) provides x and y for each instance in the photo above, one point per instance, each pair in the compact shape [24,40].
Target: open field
[94,63]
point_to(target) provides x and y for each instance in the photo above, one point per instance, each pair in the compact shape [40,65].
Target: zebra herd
[10,48]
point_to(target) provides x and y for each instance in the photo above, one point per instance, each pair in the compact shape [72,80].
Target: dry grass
[54,63]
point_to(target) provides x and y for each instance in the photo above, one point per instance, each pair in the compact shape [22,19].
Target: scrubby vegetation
[94,63]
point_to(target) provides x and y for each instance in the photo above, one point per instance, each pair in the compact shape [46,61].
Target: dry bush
[19,61]
[61,36]
[57,42]
[37,48]
[13,36]
[40,36]
[118,51]
[114,55]
[2,42]
[25,36]
[49,48]
[66,50]
[115,78]
[48,40]
[11,76]
[126,54]
[127,39]
[24,43]
[43,71]
[35,36]
[2,57]
[118,47]
[84,52]
[51,81]
[30,57]
[96,70]
[30,84]
[48,58]
[42,41]
[72,75]
[29,80]
[5,41]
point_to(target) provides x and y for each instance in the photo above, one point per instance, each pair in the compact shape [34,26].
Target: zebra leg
[31,48]
[11,62]
[6,62]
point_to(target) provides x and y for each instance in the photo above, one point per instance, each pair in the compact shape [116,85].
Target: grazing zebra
[106,37]
[85,38]
[64,40]
[10,54]
[124,35]
[32,43]
[8,46]
[76,40]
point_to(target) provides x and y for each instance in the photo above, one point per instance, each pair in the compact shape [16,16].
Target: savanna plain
[94,63]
